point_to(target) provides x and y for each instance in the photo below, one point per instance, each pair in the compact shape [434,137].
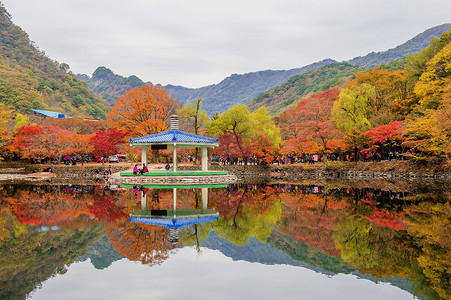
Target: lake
[308,240]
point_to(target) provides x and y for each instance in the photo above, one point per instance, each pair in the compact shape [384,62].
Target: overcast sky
[200,42]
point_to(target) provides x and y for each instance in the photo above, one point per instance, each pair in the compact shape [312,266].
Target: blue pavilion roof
[174,223]
[174,136]
[51,114]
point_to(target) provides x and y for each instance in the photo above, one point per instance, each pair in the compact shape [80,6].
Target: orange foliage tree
[143,111]
[309,125]
[80,144]
[49,141]
[48,208]
[140,242]
[40,142]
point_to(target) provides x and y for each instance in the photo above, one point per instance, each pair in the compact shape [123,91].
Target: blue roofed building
[175,218]
[50,114]
[174,138]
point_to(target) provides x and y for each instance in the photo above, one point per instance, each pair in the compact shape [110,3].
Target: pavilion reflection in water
[175,218]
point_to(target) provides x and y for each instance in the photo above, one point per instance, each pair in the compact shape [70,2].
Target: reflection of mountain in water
[102,254]
[254,251]
[302,252]
[280,249]
[283,249]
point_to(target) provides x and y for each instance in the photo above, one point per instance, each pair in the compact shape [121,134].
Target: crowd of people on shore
[364,155]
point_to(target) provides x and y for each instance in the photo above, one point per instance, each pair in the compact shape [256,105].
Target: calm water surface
[281,241]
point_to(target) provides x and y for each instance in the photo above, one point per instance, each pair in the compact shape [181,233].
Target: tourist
[167,167]
[144,169]
[135,170]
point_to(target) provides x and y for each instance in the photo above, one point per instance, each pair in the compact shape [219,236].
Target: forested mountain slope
[110,86]
[413,45]
[291,91]
[237,88]
[29,79]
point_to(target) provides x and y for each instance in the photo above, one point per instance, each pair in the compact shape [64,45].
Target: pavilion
[176,139]
[175,218]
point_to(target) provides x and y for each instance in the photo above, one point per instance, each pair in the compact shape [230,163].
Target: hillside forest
[337,111]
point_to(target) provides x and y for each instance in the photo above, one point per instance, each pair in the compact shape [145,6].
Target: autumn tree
[105,143]
[143,111]
[195,116]
[232,145]
[350,112]
[392,95]
[435,80]
[38,142]
[5,114]
[417,63]
[79,144]
[308,128]
[429,125]
[387,136]
[245,127]
[20,120]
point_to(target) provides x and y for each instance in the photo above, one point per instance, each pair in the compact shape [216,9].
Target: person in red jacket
[144,169]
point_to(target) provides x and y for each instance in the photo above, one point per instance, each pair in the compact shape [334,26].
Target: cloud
[195,43]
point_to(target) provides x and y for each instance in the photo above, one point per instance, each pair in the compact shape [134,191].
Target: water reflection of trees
[44,229]
[382,233]
[140,242]
[245,211]
[430,226]
[28,256]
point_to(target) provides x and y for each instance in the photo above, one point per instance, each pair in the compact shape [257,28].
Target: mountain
[291,91]
[110,86]
[102,254]
[413,45]
[237,88]
[253,87]
[29,79]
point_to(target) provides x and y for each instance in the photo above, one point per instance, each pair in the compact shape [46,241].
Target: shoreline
[384,171]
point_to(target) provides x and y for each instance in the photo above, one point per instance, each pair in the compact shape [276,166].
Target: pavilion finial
[174,122]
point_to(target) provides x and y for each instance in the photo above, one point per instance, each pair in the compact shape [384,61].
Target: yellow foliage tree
[5,114]
[429,126]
